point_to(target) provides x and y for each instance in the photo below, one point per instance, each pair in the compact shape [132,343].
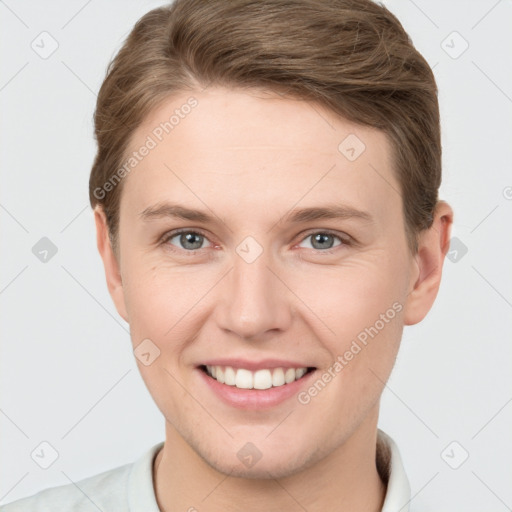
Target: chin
[258,472]
[262,469]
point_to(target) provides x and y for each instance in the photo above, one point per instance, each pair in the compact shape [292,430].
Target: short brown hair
[351,56]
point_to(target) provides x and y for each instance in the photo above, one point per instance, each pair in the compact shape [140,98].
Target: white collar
[391,468]
[141,493]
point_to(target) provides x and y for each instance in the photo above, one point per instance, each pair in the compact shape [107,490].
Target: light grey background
[68,375]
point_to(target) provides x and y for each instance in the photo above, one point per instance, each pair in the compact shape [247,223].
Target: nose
[253,302]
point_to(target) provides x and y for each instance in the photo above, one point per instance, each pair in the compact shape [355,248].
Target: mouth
[261,379]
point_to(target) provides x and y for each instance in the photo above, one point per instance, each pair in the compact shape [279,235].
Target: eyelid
[171,234]
[344,238]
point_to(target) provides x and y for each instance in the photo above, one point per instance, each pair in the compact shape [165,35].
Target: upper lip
[255,365]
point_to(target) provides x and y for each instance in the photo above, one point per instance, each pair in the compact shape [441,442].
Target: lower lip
[255,398]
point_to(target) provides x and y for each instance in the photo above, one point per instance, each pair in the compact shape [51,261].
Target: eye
[189,240]
[324,241]
[193,240]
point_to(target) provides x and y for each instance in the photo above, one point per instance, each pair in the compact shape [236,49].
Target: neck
[348,477]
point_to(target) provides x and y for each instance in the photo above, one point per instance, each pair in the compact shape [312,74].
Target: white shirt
[129,488]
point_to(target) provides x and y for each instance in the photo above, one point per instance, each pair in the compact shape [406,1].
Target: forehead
[254,151]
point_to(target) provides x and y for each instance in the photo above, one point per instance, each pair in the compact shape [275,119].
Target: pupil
[188,238]
[321,238]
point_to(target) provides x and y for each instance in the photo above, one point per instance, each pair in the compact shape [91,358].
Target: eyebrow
[331,211]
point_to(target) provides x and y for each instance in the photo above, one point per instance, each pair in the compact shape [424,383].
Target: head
[264,117]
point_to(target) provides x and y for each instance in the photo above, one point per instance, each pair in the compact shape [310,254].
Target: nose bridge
[254,301]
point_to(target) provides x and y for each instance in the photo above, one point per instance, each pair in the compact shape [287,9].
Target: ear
[112,267]
[433,244]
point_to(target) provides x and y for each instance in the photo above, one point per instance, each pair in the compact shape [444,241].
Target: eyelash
[168,236]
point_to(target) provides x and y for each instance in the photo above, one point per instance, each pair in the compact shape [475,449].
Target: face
[230,256]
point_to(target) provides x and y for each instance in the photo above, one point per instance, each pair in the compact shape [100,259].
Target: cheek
[363,306]
[350,297]
[160,303]
[166,303]
[147,299]
[358,311]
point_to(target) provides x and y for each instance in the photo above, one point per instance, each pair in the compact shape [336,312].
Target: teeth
[244,379]
[229,376]
[261,379]
[278,377]
[289,376]
[299,372]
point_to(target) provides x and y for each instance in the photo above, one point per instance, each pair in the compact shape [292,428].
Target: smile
[261,379]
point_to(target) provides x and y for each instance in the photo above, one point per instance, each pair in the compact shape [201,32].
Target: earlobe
[110,263]
[433,244]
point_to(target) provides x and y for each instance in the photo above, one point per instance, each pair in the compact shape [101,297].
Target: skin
[250,157]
